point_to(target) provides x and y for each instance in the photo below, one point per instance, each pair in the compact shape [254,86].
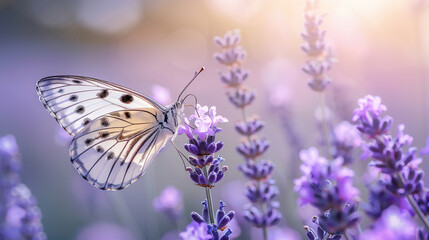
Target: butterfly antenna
[195,98]
[181,155]
[187,85]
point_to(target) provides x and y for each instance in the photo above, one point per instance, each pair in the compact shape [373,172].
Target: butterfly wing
[75,101]
[117,131]
[114,150]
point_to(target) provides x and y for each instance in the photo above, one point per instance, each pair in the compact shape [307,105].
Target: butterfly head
[179,103]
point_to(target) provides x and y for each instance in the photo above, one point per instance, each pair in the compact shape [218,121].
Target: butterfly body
[116,131]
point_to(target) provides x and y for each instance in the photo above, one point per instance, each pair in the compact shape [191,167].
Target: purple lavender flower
[393,156]
[422,234]
[346,139]
[320,234]
[214,173]
[203,125]
[369,115]
[316,186]
[264,192]
[253,148]
[422,200]
[262,219]
[205,172]
[196,231]
[10,166]
[235,77]
[31,225]
[241,98]
[220,224]
[230,56]
[320,61]
[169,202]
[260,190]
[328,186]
[257,170]
[250,127]
[392,225]
[231,39]
[379,199]
[20,217]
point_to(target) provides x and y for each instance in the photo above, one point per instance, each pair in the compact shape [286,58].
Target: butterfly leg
[181,155]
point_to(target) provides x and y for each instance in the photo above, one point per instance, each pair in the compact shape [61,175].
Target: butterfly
[117,132]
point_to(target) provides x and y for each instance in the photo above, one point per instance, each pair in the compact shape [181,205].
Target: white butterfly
[117,132]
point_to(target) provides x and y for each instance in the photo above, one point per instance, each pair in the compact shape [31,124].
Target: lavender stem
[324,123]
[416,208]
[264,228]
[209,198]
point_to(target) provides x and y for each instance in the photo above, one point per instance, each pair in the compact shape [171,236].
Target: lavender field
[214,120]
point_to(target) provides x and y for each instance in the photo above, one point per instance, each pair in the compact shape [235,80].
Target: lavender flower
[257,170]
[320,234]
[169,202]
[392,225]
[379,199]
[217,228]
[253,149]
[328,186]
[393,156]
[346,139]
[250,127]
[422,200]
[235,77]
[261,190]
[320,59]
[241,98]
[369,115]
[201,130]
[196,231]
[20,217]
[214,173]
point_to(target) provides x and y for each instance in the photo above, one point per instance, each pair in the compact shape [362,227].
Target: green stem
[324,123]
[416,208]
[264,230]
[209,199]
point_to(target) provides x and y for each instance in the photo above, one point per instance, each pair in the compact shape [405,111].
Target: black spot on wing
[99,149]
[104,93]
[86,121]
[80,109]
[88,141]
[127,115]
[73,98]
[110,155]
[77,81]
[104,122]
[104,134]
[127,98]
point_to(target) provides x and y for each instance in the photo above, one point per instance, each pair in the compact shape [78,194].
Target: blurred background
[382,47]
